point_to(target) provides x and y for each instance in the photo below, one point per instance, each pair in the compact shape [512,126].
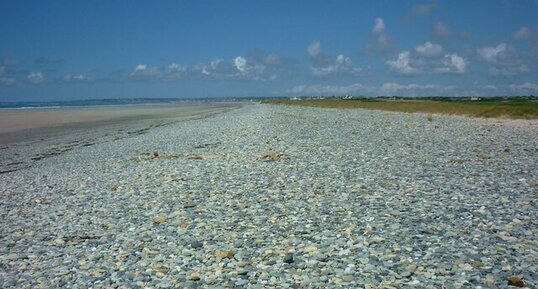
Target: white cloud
[35,77]
[259,66]
[402,65]
[212,67]
[5,79]
[423,9]
[453,63]
[379,26]
[381,43]
[527,86]
[327,89]
[8,80]
[343,60]
[427,58]
[142,72]
[503,60]
[141,67]
[237,68]
[176,68]
[389,88]
[523,33]
[415,89]
[429,49]
[314,49]
[526,33]
[240,63]
[170,72]
[342,65]
[322,65]
[75,78]
[492,54]
[271,61]
[441,30]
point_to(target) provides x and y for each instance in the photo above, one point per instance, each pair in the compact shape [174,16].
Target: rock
[162,270]
[159,219]
[311,249]
[156,154]
[411,268]
[350,269]
[146,238]
[196,244]
[195,276]
[164,284]
[288,258]
[477,264]
[515,281]
[59,241]
[12,257]
[482,210]
[490,281]
[225,254]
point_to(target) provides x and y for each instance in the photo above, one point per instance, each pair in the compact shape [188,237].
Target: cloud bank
[427,58]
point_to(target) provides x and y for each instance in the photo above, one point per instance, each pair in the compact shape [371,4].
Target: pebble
[225,254]
[515,281]
[59,241]
[196,244]
[195,276]
[353,199]
[288,258]
[159,219]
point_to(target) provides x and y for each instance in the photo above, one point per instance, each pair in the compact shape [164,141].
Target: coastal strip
[270,196]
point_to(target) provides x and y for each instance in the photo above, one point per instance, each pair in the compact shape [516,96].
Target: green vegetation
[517,108]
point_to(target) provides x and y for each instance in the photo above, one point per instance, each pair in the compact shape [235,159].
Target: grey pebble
[288,258]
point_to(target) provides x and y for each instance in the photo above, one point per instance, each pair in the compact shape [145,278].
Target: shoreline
[58,132]
[12,120]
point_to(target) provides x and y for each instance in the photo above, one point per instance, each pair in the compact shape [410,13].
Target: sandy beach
[64,118]
[34,134]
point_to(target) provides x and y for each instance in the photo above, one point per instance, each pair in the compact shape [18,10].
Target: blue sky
[54,50]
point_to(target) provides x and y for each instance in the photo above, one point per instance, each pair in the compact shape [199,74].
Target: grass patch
[496,108]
